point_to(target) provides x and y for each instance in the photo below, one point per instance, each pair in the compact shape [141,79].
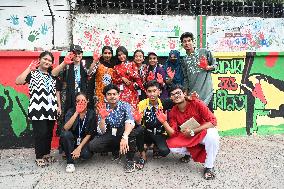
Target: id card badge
[155,131]
[121,87]
[113,131]
[78,141]
[139,92]
[49,99]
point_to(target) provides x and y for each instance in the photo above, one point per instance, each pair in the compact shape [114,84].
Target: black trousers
[42,132]
[68,142]
[110,143]
[149,138]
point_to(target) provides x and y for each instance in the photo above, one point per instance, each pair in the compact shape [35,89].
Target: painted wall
[249,93]
[15,128]
[232,34]
[29,25]
[155,33]
[248,85]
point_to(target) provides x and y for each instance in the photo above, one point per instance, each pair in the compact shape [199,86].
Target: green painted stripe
[204,31]
[198,32]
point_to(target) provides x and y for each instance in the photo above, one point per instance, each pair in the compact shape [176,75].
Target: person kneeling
[201,141]
[80,124]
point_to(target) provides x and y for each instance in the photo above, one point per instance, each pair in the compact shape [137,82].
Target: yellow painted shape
[227,120]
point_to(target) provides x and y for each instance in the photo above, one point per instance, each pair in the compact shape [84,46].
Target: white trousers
[211,143]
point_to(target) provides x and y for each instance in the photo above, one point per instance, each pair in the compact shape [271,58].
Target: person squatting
[124,106]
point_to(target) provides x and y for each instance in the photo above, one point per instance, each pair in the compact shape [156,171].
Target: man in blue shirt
[116,124]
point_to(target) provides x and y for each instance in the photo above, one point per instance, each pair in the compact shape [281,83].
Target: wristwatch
[192,133]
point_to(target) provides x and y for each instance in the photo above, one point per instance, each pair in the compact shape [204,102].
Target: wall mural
[232,34]
[22,31]
[249,86]
[249,93]
[159,34]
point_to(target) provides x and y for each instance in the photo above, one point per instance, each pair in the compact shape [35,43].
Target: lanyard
[47,82]
[81,126]
[77,73]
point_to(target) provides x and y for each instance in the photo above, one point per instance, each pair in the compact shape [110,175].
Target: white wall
[30,26]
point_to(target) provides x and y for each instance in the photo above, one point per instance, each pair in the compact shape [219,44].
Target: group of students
[122,106]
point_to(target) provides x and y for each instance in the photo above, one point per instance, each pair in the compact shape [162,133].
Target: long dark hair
[121,49]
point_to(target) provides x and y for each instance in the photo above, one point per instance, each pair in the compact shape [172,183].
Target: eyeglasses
[176,93]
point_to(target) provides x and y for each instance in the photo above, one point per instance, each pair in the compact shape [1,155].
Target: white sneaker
[70,168]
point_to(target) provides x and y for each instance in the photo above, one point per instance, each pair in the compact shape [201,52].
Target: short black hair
[110,87]
[152,83]
[185,35]
[174,87]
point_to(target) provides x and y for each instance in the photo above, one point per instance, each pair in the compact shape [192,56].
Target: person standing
[43,104]
[126,77]
[197,67]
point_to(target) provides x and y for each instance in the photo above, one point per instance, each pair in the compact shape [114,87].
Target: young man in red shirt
[201,142]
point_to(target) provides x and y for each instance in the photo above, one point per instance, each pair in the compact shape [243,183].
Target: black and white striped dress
[43,101]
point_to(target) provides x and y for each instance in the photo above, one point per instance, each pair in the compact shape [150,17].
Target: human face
[121,56]
[187,43]
[177,96]
[153,60]
[112,96]
[173,58]
[45,62]
[153,93]
[107,55]
[138,58]
[81,99]
[78,57]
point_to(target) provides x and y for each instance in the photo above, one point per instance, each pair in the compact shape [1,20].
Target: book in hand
[191,124]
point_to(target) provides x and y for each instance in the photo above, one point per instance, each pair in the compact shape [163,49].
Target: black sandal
[185,159]
[140,163]
[209,173]
[156,155]
[49,159]
[40,163]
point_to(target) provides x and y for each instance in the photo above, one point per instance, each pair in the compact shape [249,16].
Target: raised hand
[34,64]
[81,106]
[69,58]
[151,76]
[160,78]
[103,111]
[203,63]
[137,116]
[96,57]
[170,73]
[161,116]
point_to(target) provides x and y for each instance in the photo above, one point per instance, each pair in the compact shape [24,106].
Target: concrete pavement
[243,162]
